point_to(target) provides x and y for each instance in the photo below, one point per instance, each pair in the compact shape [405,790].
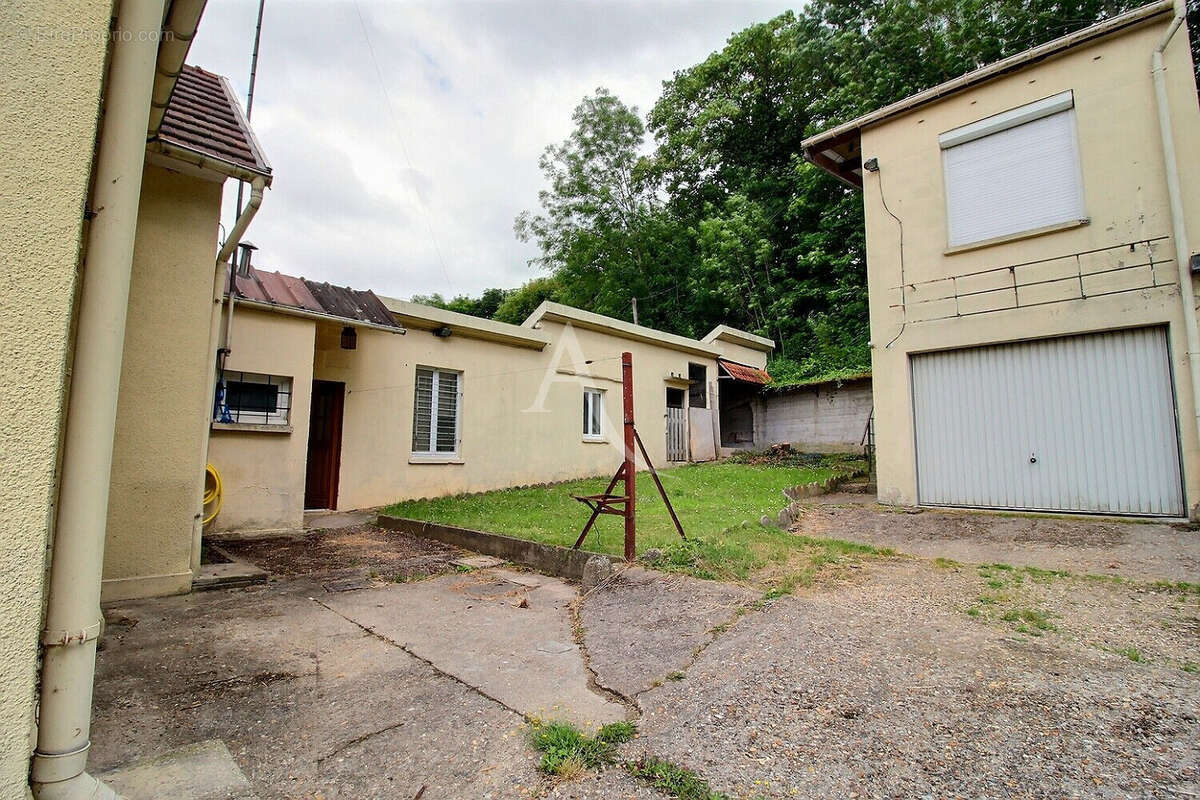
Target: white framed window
[251,398]
[436,412]
[593,414]
[1013,173]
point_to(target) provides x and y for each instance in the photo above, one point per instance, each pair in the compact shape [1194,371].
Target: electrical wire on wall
[900,225]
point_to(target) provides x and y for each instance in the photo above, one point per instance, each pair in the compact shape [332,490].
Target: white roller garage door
[1079,423]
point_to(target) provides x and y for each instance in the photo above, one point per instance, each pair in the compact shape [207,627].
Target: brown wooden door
[324,444]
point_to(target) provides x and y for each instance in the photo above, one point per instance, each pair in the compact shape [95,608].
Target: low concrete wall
[545,558]
[823,418]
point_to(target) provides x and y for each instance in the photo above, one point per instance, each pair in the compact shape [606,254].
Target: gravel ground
[886,688]
[1142,550]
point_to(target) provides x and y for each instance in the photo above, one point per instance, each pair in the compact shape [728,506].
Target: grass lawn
[719,505]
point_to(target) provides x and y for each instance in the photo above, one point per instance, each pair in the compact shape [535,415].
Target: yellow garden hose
[212,492]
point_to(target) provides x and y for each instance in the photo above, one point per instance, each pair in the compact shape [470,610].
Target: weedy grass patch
[567,752]
[719,505]
[673,780]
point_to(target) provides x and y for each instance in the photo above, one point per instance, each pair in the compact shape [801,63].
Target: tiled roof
[741,372]
[204,116]
[354,305]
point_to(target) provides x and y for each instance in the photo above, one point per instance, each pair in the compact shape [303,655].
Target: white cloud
[400,166]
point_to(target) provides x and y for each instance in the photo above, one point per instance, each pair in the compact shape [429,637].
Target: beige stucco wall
[1125,199]
[751,357]
[263,473]
[162,410]
[522,409]
[521,414]
[49,101]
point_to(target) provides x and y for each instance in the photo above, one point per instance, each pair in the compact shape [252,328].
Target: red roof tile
[204,116]
[741,372]
[354,305]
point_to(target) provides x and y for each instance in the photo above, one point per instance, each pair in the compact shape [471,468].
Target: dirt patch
[388,555]
[1139,550]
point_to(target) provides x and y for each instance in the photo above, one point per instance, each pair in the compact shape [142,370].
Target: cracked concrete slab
[525,658]
[308,703]
[643,625]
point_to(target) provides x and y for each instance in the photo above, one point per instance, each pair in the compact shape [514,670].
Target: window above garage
[1013,173]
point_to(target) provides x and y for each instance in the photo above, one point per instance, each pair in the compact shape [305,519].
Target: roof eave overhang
[815,148]
[664,340]
[207,161]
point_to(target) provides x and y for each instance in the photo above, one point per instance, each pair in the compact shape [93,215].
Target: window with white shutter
[1013,173]
[436,412]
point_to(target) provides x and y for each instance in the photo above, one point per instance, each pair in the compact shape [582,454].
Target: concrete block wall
[826,417]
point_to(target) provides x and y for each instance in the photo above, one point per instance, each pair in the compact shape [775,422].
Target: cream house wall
[521,409]
[49,105]
[263,473]
[1125,198]
[749,356]
[163,406]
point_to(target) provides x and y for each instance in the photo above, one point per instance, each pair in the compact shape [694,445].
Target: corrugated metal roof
[741,372]
[354,305]
[204,116]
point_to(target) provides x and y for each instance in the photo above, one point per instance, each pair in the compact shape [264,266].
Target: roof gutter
[1187,295]
[209,161]
[292,311]
[73,619]
[178,30]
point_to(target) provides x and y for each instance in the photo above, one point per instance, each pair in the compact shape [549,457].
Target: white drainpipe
[1175,196]
[73,619]
[231,241]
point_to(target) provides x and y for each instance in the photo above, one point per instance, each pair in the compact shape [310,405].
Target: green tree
[519,303]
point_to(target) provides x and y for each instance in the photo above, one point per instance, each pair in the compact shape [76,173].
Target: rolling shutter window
[435,412]
[1003,179]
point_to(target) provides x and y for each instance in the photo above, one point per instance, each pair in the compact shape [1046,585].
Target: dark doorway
[324,445]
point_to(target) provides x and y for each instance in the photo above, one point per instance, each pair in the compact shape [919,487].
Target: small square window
[593,414]
[252,398]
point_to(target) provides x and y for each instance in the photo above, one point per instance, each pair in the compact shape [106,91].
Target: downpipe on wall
[73,617]
[1175,197]
[257,186]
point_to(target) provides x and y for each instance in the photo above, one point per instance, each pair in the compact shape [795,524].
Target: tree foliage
[721,220]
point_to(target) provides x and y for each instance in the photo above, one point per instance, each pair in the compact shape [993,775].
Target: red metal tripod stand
[625,505]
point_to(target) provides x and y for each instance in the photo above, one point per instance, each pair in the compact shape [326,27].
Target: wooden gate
[676,435]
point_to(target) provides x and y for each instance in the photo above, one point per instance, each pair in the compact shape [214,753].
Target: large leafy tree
[723,221]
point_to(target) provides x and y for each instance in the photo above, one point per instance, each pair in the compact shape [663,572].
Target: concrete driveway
[904,678]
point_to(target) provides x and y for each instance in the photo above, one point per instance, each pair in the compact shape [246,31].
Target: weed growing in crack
[672,780]
[617,732]
[568,754]
[677,675]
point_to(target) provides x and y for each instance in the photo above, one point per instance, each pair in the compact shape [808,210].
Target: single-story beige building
[1031,232]
[335,399]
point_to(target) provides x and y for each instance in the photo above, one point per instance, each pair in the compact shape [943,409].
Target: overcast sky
[400,165]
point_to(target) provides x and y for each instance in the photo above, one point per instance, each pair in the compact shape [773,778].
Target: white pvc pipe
[73,619]
[1183,253]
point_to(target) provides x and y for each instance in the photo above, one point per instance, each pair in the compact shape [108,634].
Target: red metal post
[630,468]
